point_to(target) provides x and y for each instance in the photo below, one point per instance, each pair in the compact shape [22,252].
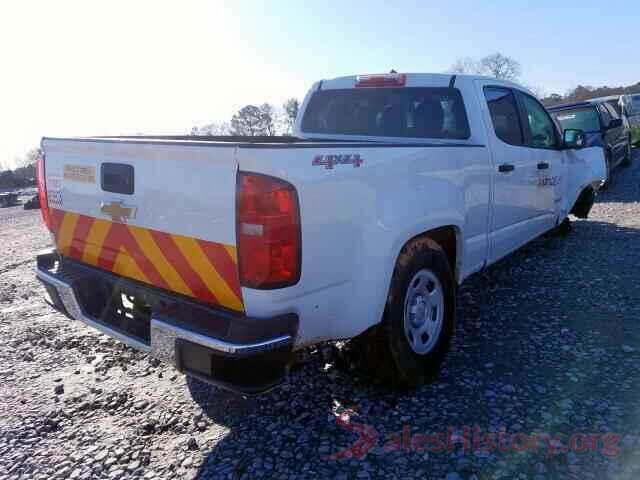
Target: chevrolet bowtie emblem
[118,212]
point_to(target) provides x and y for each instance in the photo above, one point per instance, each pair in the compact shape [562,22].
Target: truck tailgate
[162,213]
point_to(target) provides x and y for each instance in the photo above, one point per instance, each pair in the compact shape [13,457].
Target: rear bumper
[240,353]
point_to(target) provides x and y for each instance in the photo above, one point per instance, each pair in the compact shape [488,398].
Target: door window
[541,128]
[504,114]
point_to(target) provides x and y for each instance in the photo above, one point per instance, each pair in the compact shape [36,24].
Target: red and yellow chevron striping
[204,270]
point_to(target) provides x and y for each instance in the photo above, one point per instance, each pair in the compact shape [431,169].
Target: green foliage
[253,121]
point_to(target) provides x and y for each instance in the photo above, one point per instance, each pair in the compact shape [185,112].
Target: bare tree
[268,117]
[467,66]
[214,129]
[496,65]
[290,108]
[252,121]
[500,66]
[248,121]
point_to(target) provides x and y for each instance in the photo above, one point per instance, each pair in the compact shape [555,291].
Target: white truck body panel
[356,220]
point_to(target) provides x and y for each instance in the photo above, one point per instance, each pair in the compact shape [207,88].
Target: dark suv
[603,127]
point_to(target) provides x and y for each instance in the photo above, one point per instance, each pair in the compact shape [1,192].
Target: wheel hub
[418,311]
[424,311]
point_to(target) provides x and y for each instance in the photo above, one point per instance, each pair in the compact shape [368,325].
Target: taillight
[42,190]
[385,80]
[268,231]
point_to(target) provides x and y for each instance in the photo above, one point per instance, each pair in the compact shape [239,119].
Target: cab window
[541,128]
[504,115]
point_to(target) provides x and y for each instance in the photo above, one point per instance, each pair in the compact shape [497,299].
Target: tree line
[269,120]
[23,176]
[256,120]
[585,92]
[506,68]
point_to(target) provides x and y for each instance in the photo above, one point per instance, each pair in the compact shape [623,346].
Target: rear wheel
[413,338]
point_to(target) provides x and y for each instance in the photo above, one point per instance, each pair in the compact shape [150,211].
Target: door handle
[543,166]
[506,167]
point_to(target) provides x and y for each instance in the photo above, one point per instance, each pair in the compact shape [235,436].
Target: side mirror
[573,138]
[615,123]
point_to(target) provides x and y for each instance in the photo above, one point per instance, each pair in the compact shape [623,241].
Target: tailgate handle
[117,178]
[543,166]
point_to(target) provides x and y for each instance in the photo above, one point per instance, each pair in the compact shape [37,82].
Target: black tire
[389,354]
[627,158]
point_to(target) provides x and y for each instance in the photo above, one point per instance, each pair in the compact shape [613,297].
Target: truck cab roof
[410,80]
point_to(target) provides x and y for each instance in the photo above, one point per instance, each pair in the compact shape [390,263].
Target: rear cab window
[407,112]
[584,118]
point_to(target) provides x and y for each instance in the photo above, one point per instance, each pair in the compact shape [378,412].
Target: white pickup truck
[225,255]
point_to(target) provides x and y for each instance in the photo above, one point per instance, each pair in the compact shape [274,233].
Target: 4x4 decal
[342,159]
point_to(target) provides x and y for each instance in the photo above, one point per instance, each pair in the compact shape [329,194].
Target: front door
[543,144]
[513,217]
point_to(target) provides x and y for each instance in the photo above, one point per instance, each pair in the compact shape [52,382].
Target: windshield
[585,119]
[388,112]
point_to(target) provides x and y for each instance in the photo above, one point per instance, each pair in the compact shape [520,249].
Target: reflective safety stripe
[204,270]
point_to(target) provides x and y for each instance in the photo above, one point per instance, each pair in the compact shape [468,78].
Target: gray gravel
[548,342]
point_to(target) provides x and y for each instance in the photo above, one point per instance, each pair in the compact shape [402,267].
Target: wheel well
[447,238]
[584,202]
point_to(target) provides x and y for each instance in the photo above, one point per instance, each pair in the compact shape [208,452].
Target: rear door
[161,213]
[515,206]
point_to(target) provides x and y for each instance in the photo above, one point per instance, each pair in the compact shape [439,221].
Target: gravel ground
[548,343]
